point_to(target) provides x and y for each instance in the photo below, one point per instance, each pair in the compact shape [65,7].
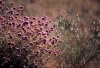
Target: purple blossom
[34,18]
[9,43]
[31,43]
[12,3]
[14,8]
[38,51]
[19,10]
[1,7]
[7,8]
[25,23]
[24,38]
[19,34]
[44,40]
[11,36]
[17,49]
[57,36]
[13,24]
[12,43]
[31,22]
[18,25]
[21,7]
[52,42]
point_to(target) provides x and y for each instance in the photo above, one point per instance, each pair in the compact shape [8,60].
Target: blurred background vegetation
[85,11]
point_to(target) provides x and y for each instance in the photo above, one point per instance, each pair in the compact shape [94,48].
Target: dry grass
[87,9]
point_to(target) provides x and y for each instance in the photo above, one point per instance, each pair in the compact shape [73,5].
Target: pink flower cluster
[24,41]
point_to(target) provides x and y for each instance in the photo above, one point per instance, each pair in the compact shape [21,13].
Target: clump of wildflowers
[24,43]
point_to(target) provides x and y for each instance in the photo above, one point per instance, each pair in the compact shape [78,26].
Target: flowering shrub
[25,42]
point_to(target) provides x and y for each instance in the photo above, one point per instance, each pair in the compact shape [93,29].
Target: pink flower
[44,40]
[34,18]
[1,2]
[31,22]
[24,38]
[38,52]
[21,7]
[14,8]
[12,3]
[1,7]
[7,8]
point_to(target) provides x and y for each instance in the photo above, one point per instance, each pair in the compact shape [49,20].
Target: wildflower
[4,16]
[49,21]
[43,18]
[49,52]
[51,29]
[36,66]
[12,43]
[38,52]
[31,22]
[4,58]
[1,2]
[14,8]
[8,59]
[11,66]
[11,12]
[11,36]
[34,18]
[23,28]
[9,43]
[7,8]
[6,62]
[42,61]
[24,38]
[19,34]
[18,25]
[21,7]
[47,31]
[57,36]
[31,43]
[40,28]
[13,23]
[55,53]
[25,23]
[52,42]
[50,39]
[12,3]
[1,7]
[17,14]
[28,28]
[17,49]
[16,17]
[39,21]
[44,40]
[43,33]
[24,66]
[33,63]
[46,24]
[24,49]
[19,10]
